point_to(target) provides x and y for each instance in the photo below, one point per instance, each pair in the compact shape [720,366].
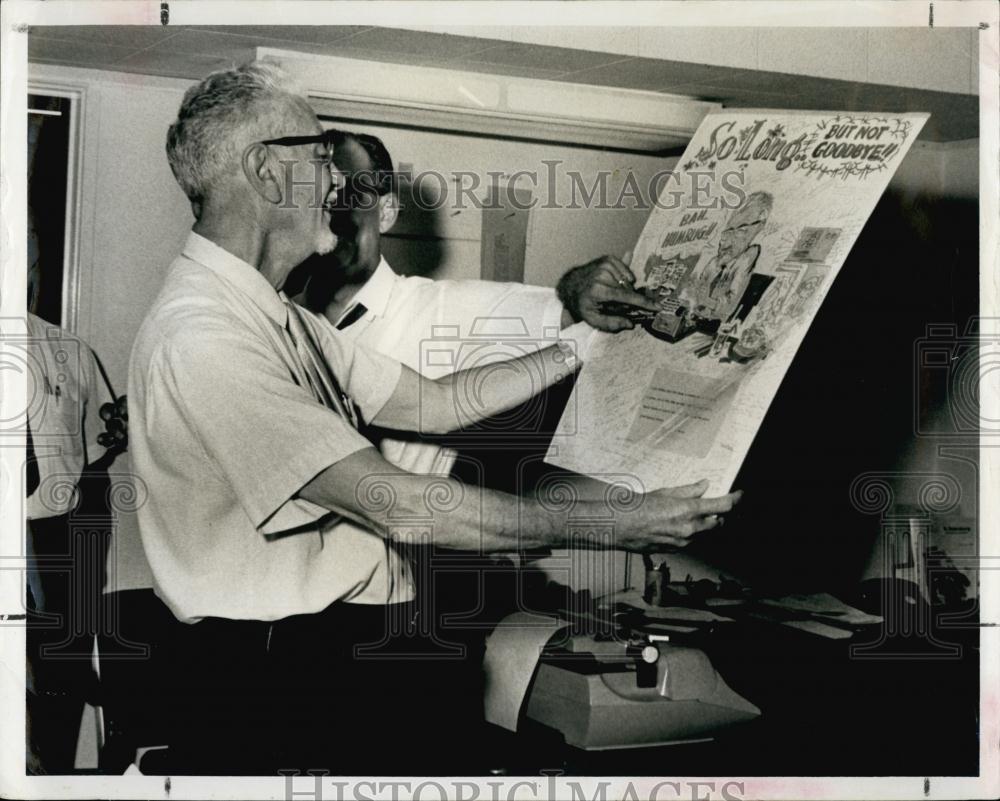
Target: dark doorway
[48,163]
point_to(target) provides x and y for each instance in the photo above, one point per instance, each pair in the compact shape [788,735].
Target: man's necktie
[719,278]
[322,380]
[356,313]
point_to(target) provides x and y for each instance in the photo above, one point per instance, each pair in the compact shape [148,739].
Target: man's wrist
[576,341]
[568,294]
[555,316]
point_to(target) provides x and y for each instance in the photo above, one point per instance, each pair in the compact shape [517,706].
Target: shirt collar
[375,292]
[243,276]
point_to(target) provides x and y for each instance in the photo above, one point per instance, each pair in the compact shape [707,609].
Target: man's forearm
[441,511]
[478,393]
[421,509]
[464,398]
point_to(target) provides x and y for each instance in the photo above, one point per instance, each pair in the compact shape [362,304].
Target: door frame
[77,96]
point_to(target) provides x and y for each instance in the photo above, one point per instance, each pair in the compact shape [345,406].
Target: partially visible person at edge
[65,475]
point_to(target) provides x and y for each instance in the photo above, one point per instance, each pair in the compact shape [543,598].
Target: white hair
[223,114]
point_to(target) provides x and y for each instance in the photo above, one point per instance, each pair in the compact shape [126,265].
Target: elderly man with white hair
[248,433]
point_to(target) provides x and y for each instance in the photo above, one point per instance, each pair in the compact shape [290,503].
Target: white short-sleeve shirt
[224,432]
[65,396]
[439,327]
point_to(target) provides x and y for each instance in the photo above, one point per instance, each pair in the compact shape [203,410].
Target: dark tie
[717,280]
[355,314]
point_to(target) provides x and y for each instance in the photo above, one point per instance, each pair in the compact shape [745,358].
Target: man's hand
[583,289]
[670,517]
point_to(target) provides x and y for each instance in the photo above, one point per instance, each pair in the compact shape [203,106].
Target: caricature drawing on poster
[738,254]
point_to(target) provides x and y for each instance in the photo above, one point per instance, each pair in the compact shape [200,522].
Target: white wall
[132,215]
[558,238]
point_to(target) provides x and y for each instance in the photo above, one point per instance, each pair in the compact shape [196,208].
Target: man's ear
[388,212]
[259,172]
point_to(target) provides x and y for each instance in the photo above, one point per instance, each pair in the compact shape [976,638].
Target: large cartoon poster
[746,239]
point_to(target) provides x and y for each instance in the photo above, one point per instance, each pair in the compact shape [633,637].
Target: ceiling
[192,52]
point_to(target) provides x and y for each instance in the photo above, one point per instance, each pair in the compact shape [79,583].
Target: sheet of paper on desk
[512,653]
[824,605]
[668,628]
[685,613]
[819,629]
[806,624]
[739,252]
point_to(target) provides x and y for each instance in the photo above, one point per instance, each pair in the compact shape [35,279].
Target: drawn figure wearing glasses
[720,285]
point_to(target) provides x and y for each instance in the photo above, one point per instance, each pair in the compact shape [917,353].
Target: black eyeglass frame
[325,138]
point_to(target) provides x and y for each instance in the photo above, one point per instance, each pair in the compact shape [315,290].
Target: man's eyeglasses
[325,139]
[742,228]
